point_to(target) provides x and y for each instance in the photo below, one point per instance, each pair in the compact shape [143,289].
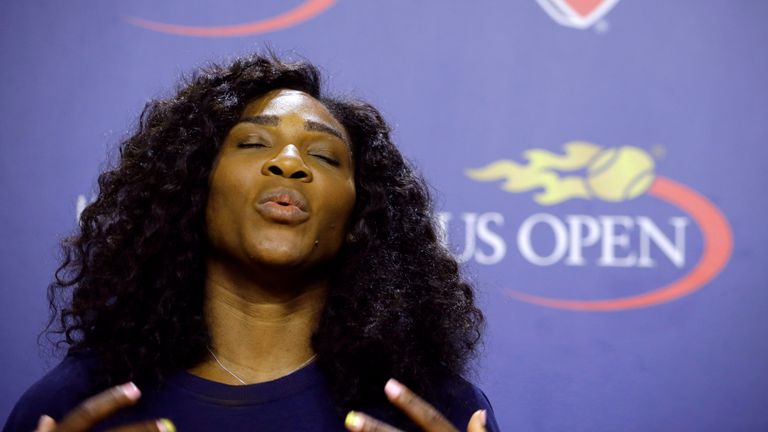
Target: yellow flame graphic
[612,174]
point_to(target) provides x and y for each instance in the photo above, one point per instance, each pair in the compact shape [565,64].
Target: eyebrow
[271,120]
[266,120]
[321,127]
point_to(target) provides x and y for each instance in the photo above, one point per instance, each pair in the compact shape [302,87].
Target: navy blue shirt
[300,401]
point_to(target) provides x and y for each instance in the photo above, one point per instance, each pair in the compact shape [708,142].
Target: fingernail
[166,425]
[354,421]
[393,389]
[44,422]
[483,417]
[130,390]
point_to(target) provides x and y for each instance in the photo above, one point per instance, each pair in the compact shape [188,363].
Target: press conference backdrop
[599,167]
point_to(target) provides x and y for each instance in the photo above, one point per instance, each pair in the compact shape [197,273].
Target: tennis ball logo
[619,174]
[585,171]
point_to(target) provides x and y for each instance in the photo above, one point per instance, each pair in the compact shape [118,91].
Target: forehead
[285,102]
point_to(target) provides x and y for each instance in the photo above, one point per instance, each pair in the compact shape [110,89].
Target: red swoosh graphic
[718,245]
[300,13]
[584,7]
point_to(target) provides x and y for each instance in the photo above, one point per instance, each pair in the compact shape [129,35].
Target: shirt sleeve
[490,420]
[57,393]
[462,400]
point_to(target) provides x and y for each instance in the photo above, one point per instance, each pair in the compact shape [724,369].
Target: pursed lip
[283,205]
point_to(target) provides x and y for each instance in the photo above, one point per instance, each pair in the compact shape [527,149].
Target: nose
[289,164]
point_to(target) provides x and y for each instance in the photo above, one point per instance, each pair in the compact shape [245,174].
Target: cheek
[229,186]
[342,195]
[350,200]
[226,200]
[214,220]
[337,221]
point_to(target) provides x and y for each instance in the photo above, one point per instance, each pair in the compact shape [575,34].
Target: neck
[260,330]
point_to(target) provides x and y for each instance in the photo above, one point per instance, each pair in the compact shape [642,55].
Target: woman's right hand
[101,406]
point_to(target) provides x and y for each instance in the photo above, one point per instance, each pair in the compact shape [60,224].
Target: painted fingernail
[45,422]
[166,425]
[483,416]
[354,421]
[130,390]
[393,389]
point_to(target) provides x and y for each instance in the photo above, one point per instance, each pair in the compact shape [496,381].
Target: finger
[359,422]
[477,421]
[45,424]
[162,425]
[98,407]
[422,413]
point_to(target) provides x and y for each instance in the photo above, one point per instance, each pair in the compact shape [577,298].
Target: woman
[261,258]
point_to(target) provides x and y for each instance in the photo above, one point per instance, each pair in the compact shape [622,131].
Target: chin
[280,262]
[282,254]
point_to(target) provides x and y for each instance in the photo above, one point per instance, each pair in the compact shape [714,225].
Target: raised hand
[99,407]
[421,412]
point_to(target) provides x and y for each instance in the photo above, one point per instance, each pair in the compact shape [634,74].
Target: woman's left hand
[421,412]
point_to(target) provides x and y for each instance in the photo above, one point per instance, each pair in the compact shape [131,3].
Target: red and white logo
[308,9]
[580,14]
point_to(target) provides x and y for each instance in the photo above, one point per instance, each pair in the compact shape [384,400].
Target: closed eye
[251,145]
[327,159]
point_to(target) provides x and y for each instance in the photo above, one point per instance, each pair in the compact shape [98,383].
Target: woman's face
[282,187]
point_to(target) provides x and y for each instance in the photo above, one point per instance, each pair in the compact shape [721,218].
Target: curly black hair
[130,285]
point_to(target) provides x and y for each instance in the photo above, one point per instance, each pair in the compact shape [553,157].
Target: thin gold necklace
[242,381]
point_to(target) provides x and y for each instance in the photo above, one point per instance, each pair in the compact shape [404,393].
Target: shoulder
[455,398]
[55,394]
[458,399]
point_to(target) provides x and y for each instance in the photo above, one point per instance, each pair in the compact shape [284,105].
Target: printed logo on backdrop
[303,12]
[580,14]
[605,179]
